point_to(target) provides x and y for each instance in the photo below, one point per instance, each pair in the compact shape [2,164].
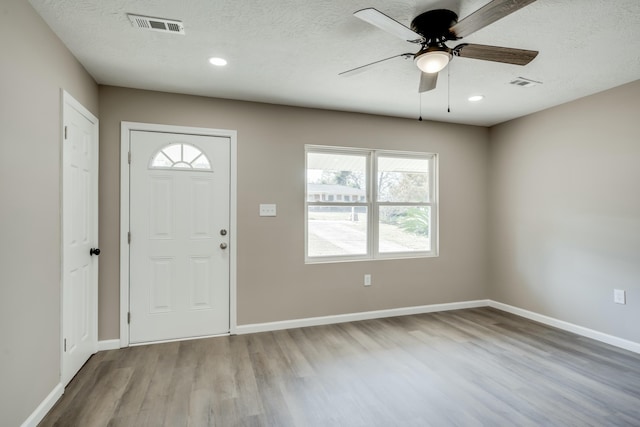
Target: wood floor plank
[144,361]
[154,406]
[473,367]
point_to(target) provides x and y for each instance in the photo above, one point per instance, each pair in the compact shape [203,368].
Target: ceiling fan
[433,28]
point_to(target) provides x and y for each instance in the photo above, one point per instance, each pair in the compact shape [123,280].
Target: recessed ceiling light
[476,98]
[219,62]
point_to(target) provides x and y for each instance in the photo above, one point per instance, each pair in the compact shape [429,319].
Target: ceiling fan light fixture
[433,60]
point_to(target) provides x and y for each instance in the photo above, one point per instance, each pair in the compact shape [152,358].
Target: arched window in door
[180,156]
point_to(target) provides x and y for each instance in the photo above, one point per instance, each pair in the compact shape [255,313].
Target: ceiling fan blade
[362,68]
[388,24]
[506,55]
[427,82]
[487,14]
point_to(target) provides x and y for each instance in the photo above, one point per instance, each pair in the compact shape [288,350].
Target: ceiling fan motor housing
[435,25]
[439,47]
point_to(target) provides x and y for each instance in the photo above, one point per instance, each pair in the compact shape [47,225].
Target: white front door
[179,224]
[79,237]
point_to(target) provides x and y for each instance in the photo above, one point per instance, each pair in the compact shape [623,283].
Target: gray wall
[565,211]
[34,66]
[273,281]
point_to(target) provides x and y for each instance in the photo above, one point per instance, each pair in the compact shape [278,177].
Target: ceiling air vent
[524,82]
[156,24]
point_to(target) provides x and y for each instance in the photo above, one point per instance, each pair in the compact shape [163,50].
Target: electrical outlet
[619,296]
[367,280]
[267,210]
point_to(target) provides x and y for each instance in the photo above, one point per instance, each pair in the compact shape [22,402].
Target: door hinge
[129,318]
[129,157]
[129,237]
[65,345]
[65,132]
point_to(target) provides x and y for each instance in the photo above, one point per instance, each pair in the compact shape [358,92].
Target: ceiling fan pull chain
[420,98]
[449,88]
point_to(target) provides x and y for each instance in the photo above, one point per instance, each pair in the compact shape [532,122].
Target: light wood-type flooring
[475,367]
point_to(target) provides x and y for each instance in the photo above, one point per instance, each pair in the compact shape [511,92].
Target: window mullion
[373,229]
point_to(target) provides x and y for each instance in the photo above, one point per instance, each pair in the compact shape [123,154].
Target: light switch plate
[267,209]
[619,296]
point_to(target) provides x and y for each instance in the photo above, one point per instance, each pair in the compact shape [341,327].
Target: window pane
[161,161]
[404,229]
[174,152]
[201,162]
[189,152]
[402,179]
[336,230]
[336,177]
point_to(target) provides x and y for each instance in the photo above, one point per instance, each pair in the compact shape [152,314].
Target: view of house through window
[364,204]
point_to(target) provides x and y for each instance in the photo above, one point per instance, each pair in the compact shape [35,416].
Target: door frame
[68,101]
[125,143]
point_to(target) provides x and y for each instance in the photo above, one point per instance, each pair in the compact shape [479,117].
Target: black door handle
[94,251]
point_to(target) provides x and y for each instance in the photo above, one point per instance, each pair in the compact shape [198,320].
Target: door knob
[94,251]
[223,246]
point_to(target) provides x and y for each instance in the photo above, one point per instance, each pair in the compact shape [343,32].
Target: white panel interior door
[80,235]
[179,222]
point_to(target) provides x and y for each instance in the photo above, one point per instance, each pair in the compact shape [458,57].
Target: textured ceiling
[290,52]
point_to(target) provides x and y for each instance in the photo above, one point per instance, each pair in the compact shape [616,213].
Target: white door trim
[69,101]
[125,142]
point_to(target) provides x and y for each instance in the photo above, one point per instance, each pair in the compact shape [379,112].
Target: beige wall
[34,66]
[565,211]
[562,223]
[273,281]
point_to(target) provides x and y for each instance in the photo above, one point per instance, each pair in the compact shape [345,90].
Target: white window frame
[373,205]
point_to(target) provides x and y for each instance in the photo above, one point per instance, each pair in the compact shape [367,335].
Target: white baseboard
[353,317]
[109,344]
[44,407]
[570,327]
